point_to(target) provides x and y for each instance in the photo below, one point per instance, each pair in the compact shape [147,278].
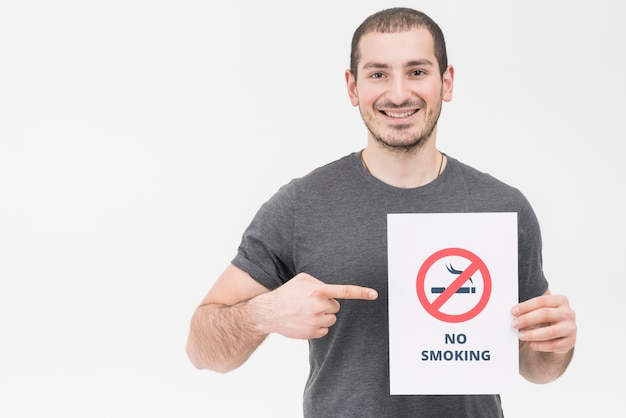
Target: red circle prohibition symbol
[433,308]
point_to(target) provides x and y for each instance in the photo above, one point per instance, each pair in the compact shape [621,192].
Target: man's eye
[377,75]
[418,73]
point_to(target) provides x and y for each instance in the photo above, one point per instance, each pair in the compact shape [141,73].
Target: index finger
[544,301]
[348,291]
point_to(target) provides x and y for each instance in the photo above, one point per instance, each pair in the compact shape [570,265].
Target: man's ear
[447,84]
[351,86]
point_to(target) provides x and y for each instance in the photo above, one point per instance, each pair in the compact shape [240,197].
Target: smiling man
[319,244]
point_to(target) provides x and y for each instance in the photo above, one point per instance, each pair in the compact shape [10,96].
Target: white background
[138,138]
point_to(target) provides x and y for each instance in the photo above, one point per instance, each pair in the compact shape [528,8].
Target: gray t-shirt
[331,224]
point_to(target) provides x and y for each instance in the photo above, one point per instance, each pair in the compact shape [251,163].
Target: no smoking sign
[452,282]
[453,285]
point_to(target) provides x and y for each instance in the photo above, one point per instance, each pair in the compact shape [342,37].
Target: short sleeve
[532,281]
[266,249]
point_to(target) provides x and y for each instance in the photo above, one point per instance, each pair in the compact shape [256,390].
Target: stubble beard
[402,141]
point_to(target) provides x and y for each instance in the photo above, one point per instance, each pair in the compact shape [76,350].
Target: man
[320,243]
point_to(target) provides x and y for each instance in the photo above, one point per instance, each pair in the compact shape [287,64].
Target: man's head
[399,20]
[403,78]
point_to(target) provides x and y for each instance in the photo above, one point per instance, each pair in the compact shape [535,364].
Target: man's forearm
[222,337]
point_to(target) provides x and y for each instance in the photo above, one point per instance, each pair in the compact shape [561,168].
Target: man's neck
[401,169]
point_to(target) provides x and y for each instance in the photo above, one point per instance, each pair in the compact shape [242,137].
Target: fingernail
[521,335]
[515,310]
[373,295]
[515,323]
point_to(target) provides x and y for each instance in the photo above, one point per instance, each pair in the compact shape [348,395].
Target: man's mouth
[399,115]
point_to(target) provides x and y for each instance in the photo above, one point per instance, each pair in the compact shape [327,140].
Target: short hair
[399,19]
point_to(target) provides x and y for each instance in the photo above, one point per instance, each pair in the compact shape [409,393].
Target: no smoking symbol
[434,307]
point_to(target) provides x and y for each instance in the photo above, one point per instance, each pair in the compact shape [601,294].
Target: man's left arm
[547,335]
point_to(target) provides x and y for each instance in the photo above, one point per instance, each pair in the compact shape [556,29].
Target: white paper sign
[452,283]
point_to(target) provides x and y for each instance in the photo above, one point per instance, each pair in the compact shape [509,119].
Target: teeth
[400,115]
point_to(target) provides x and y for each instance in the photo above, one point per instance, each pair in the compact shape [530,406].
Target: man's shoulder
[483,188]
[319,182]
[331,171]
[475,176]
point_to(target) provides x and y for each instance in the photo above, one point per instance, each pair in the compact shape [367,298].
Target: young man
[320,243]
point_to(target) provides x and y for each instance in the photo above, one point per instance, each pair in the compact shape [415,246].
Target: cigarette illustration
[452,270]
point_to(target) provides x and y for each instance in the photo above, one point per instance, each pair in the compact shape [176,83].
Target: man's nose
[399,91]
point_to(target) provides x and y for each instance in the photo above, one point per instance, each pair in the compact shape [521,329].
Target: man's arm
[547,334]
[238,313]
[223,331]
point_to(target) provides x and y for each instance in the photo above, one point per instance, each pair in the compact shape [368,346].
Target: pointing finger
[341,291]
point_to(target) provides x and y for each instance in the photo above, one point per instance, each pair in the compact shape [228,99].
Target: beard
[402,138]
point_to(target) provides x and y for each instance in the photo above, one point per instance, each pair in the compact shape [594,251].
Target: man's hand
[305,307]
[547,335]
[546,323]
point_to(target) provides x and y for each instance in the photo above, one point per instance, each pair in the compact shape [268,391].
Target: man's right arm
[238,313]
[224,330]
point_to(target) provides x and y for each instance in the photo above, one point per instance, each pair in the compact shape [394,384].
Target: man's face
[399,89]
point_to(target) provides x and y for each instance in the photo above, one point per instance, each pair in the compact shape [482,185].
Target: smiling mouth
[399,115]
